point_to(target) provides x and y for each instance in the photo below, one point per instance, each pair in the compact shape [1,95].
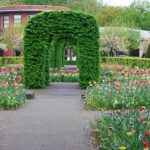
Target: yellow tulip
[129,133]
[122,148]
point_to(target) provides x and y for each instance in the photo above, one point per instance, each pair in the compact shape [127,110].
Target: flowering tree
[112,40]
[13,38]
[119,36]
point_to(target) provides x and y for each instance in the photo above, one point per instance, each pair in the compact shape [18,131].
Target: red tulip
[110,128]
[146,134]
[140,108]
[145,144]
[142,119]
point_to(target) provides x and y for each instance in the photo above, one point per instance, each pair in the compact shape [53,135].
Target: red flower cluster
[142,119]
[146,134]
[3,69]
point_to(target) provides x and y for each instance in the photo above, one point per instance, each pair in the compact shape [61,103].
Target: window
[6,21]
[17,21]
[29,16]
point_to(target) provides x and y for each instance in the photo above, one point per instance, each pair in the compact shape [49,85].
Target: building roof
[30,8]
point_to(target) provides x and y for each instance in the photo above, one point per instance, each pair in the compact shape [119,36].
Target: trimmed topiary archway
[49,29]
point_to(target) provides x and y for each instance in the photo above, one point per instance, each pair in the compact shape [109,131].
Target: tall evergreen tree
[148,52]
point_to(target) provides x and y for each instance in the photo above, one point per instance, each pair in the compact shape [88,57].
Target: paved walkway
[54,120]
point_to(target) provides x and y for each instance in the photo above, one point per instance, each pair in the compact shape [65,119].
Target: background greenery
[137,12]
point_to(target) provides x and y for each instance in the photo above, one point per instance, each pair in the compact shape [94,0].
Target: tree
[10,2]
[120,36]
[33,2]
[87,6]
[13,38]
[148,52]
[142,5]
[139,13]
[106,15]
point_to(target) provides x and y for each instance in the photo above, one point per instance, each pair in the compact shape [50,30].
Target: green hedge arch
[65,26]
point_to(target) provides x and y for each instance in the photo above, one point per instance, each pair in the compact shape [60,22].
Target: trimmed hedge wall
[73,27]
[11,60]
[139,62]
[130,61]
[70,63]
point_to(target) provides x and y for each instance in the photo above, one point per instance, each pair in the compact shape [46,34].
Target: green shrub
[66,26]
[148,52]
[11,60]
[70,63]
[130,61]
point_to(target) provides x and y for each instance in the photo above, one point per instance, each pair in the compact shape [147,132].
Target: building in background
[16,17]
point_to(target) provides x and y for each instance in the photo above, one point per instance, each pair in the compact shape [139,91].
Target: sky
[118,2]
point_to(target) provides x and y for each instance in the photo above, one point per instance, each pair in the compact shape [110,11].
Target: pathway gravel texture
[54,120]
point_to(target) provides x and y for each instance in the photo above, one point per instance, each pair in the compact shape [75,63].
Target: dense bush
[130,61]
[11,60]
[148,52]
[70,63]
[122,130]
[66,26]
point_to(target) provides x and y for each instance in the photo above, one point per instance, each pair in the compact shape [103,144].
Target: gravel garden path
[54,120]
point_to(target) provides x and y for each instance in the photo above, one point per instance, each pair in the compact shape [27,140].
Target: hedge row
[70,63]
[139,62]
[130,61]
[11,60]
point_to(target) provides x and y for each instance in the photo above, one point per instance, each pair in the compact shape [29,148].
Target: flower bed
[120,87]
[12,94]
[122,130]
[64,75]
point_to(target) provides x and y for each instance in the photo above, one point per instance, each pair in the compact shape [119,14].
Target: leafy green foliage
[130,61]
[52,53]
[11,60]
[148,52]
[87,6]
[107,14]
[68,26]
[122,130]
[139,17]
